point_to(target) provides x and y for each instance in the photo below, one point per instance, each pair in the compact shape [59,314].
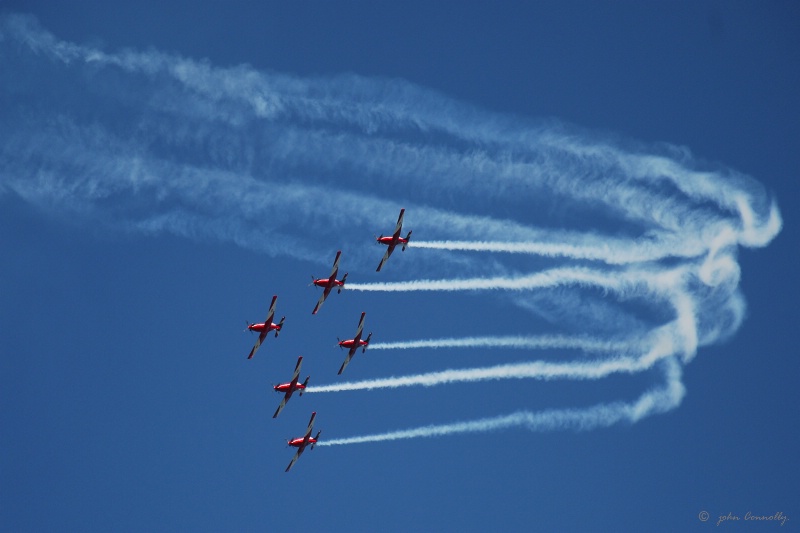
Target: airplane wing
[350,355]
[271,313]
[360,327]
[399,226]
[386,256]
[321,300]
[296,374]
[295,458]
[283,404]
[335,269]
[261,337]
[310,425]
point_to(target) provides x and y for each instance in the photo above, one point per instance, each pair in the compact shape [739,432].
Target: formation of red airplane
[329,283]
[394,240]
[301,442]
[352,345]
[288,388]
[355,343]
[265,327]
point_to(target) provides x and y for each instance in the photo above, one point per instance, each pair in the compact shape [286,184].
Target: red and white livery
[265,327]
[355,343]
[393,240]
[288,388]
[329,283]
[301,442]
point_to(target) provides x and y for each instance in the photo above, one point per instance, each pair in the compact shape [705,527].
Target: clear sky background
[166,169]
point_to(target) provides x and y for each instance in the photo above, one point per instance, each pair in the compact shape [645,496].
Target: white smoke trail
[517,342]
[536,370]
[623,281]
[668,341]
[654,401]
[160,143]
[190,104]
[611,251]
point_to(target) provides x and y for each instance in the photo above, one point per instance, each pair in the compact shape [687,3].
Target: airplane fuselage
[350,343]
[329,282]
[301,442]
[388,241]
[286,387]
[261,327]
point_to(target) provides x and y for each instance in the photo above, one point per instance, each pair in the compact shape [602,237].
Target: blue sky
[602,199]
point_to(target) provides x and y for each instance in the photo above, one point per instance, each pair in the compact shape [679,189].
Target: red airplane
[394,240]
[301,442]
[265,328]
[329,283]
[289,388]
[355,343]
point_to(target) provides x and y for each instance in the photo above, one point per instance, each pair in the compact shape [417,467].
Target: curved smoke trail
[654,401]
[153,142]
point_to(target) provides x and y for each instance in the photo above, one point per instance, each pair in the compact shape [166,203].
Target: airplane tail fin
[305,384]
[408,239]
[343,281]
[280,325]
[316,438]
[365,346]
